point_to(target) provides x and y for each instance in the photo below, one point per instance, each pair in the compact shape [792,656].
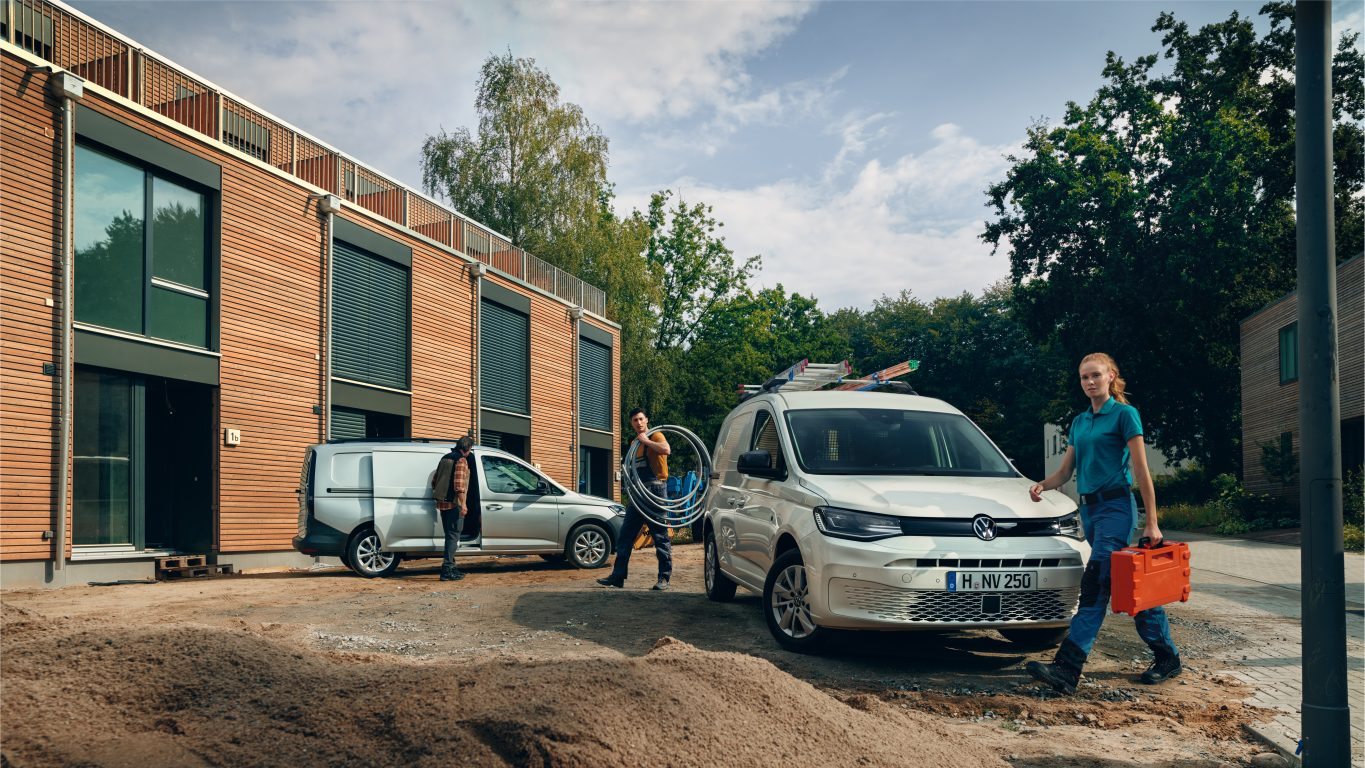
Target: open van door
[405,515]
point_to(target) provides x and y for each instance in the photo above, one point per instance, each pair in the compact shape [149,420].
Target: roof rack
[806,376]
[335,440]
[880,378]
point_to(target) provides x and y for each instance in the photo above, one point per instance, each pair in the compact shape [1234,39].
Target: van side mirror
[758,464]
[542,487]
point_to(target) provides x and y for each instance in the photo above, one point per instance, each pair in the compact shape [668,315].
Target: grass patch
[1187,517]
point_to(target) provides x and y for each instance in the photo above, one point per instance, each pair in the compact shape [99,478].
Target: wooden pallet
[192,571]
[182,561]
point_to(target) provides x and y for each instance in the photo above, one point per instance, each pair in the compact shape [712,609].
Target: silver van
[369,503]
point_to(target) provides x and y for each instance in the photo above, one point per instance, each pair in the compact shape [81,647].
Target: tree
[537,166]
[1152,220]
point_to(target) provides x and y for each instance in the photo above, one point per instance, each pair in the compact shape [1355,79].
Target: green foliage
[1279,461]
[1155,217]
[1353,498]
[1189,485]
[1353,538]
[536,167]
[1187,517]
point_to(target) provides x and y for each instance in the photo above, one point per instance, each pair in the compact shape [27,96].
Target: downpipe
[68,87]
[329,206]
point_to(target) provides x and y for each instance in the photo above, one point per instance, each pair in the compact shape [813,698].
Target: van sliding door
[405,515]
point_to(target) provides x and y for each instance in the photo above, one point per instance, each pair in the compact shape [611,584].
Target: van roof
[883,400]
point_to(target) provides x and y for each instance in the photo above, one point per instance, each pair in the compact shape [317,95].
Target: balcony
[60,35]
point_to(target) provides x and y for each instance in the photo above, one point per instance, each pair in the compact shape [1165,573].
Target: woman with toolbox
[1103,441]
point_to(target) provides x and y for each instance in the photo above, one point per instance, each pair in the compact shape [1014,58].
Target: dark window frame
[1289,365]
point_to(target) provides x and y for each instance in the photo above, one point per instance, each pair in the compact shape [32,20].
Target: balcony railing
[60,35]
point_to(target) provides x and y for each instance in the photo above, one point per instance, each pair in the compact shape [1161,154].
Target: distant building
[1054,448]
[1270,382]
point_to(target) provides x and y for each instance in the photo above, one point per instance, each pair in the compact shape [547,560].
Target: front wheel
[1035,637]
[588,546]
[786,606]
[719,588]
[365,557]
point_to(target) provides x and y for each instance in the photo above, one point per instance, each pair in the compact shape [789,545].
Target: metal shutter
[370,318]
[347,423]
[594,384]
[504,352]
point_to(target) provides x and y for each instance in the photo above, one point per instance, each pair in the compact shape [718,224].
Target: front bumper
[902,583]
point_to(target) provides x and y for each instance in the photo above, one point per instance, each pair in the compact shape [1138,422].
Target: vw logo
[983,527]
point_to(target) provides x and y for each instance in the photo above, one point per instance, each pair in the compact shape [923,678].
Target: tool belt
[1108,494]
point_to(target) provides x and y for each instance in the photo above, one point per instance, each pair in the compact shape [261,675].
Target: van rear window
[877,441]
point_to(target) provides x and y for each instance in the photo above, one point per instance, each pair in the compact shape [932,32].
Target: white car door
[520,511]
[405,515]
[756,516]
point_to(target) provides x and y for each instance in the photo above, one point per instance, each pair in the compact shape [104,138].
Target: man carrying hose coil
[651,465]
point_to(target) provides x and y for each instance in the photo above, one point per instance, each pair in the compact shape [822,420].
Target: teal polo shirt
[1101,443]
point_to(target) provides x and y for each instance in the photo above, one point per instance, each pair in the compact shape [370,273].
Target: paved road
[1254,588]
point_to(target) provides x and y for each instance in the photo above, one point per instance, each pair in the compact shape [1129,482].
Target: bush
[1353,538]
[1189,485]
[1353,499]
[1187,517]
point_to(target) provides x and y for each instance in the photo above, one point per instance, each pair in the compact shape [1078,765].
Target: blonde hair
[1116,386]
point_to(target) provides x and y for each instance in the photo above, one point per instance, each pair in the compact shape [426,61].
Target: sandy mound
[83,693]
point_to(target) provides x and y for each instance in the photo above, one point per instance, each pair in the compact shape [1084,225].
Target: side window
[1289,353]
[507,476]
[765,439]
[352,470]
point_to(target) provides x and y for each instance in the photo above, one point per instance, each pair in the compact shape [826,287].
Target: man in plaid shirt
[448,487]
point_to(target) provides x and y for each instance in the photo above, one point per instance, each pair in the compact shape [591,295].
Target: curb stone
[1281,744]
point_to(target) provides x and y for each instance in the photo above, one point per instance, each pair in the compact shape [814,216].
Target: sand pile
[86,693]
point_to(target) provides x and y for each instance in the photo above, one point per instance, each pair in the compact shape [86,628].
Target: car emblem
[983,527]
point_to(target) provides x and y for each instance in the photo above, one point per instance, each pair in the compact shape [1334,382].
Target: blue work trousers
[630,528]
[1109,527]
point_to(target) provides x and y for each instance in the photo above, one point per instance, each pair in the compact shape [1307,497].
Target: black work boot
[452,575]
[610,582]
[1062,677]
[660,586]
[1162,670]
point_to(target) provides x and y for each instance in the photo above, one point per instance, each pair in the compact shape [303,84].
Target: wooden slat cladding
[1270,408]
[270,322]
[30,331]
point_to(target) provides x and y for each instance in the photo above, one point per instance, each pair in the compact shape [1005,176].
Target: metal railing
[58,34]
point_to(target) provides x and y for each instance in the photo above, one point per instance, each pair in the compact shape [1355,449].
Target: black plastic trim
[369,240]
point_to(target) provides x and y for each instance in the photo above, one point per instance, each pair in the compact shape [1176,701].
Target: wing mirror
[758,464]
[542,487]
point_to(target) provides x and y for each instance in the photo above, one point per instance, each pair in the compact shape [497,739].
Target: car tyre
[364,556]
[553,557]
[588,546]
[786,606]
[719,588]
[1035,637]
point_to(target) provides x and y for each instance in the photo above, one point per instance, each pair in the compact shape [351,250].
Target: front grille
[953,562]
[920,606]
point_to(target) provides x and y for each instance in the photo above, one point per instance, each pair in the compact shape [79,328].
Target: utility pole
[1326,715]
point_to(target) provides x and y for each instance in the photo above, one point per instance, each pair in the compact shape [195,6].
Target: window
[141,250]
[875,441]
[594,384]
[357,424]
[505,354]
[765,438]
[507,476]
[370,325]
[102,459]
[1289,353]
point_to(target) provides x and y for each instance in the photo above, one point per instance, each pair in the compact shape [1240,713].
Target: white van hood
[946,497]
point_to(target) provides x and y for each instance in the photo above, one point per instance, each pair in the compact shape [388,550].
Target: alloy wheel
[589,547]
[710,568]
[368,555]
[790,603]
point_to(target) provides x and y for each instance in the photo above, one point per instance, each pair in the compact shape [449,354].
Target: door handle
[492,507]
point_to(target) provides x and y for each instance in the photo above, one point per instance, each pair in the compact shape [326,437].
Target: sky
[849,144]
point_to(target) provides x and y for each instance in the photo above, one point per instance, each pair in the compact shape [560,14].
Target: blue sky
[849,143]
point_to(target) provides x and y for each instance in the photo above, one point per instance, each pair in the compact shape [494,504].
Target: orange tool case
[1142,577]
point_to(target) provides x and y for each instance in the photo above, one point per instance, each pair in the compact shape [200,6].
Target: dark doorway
[513,444]
[594,471]
[355,424]
[179,441]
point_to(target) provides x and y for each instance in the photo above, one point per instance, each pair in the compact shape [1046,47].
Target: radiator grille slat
[907,605]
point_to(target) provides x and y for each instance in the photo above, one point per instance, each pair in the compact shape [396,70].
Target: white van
[369,503]
[860,510]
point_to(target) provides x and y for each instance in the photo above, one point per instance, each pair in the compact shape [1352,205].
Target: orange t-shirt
[658,463]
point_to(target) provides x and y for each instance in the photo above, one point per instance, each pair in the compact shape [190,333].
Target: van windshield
[876,441]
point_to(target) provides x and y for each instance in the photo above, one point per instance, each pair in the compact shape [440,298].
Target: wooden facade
[271,298]
[1270,408]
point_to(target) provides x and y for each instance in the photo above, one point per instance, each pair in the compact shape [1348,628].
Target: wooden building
[1270,383]
[222,264]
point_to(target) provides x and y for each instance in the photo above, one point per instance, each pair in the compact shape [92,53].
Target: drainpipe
[329,205]
[576,314]
[478,270]
[68,87]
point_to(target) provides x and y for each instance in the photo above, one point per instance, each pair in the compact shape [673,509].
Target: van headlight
[618,510]
[847,524]
[1070,526]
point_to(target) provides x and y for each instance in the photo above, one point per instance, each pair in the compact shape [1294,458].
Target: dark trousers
[663,548]
[453,524]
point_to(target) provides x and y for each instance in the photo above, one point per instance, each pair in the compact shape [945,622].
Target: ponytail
[1116,386]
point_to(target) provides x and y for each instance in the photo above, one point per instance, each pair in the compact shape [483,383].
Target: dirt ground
[527,662]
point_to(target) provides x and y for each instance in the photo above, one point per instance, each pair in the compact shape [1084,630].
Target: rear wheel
[718,586]
[786,606]
[588,546]
[1035,637]
[365,557]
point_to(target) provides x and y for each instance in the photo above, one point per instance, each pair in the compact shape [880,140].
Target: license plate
[992,581]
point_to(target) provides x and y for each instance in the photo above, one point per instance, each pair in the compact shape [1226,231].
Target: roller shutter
[370,318]
[504,353]
[347,423]
[594,384]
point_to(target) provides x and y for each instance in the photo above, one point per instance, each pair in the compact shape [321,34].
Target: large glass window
[141,251]
[1289,353]
[876,441]
[102,509]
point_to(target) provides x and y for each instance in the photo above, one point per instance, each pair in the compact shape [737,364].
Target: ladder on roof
[880,377]
[806,376]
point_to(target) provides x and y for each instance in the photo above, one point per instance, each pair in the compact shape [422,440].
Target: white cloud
[854,236]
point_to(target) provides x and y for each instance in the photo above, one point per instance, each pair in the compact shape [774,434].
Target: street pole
[1326,715]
